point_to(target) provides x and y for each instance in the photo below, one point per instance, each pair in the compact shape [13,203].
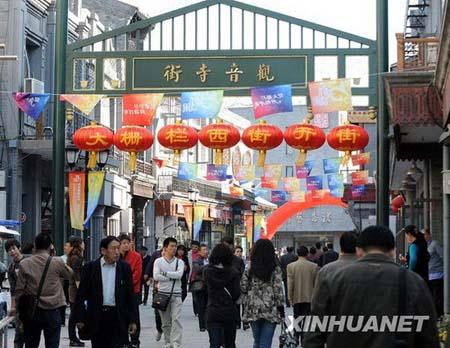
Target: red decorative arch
[289,209]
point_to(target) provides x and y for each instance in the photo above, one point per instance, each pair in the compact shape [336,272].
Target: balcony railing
[416,54]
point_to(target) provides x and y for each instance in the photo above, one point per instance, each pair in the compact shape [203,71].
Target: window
[289,171]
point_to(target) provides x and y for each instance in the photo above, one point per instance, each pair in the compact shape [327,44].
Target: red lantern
[262,137]
[133,139]
[304,137]
[397,203]
[348,138]
[93,138]
[219,136]
[177,137]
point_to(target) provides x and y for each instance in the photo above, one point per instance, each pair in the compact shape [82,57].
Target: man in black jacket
[285,260]
[377,290]
[106,287]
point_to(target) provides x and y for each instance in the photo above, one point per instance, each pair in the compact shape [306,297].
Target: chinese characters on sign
[173,72]
[271,100]
[131,138]
[139,109]
[177,136]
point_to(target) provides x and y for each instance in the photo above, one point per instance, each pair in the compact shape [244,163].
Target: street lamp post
[254,208]
[193,197]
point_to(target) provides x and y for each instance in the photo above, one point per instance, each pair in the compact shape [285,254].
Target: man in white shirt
[168,271]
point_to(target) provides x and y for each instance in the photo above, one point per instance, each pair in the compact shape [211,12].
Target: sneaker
[158,336]
[76,344]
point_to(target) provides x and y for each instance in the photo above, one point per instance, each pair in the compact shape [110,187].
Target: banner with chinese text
[361,159]
[336,185]
[77,199]
[298,197]
[244,172]
[139,109]
[303,172]
[358,191]
[216,172]
[201,104]
[31,103]
[271,100]
[314,183]
[360,178]
[278,196]
[330,95]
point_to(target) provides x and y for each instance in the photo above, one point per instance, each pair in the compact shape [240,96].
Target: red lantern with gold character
[133,139]
[219,136]
[177,137]
[348,138]
[304,137]
[262,137]
[93,138]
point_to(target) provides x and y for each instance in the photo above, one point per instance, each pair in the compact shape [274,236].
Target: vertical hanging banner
[314,183]
[271,100]
[187,171]
[272,171]
[77,199]
[248,220]
[201,104]
[83,102]
[187,210]
[216,172]
[139,109]
[360,178]
[336,185]
[330,95]
[278,196]
[358,191]
[332,165]
[31,103]
[199,213]
[361,159]
[303,172]
[95,185]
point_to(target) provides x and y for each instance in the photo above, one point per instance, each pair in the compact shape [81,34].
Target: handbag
[161,301]
[287,339]
[28,303]
[197,285]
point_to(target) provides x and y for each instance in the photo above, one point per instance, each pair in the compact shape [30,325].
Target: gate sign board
[217,72]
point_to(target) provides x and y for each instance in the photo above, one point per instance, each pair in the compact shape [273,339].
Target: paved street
[192,337]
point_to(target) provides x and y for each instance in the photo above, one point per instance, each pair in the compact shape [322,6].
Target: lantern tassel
[346,159]
[218,156]
[92,160]
[176,157]
[301,158]
[261,158]
[132,162]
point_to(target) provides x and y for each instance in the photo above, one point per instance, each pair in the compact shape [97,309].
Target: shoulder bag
[28,303]
[161,301]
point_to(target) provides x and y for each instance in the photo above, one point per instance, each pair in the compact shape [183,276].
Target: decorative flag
[77,198]
[216,172]
[358,191]
[187,171]
[236,191]
[244,172]
[291,184]
[321,121]
[303,172]
[330,95]
[31,103]
[95,185]
[272,171]
[271,100]
[278,196]
[360,178]
[332,165]
[298,197]
[314,183]
[201,104]
[361,159]
[187,210]
[83,102]
[160,163]
[269,184]
[139,109]
[336,184]
[199,214]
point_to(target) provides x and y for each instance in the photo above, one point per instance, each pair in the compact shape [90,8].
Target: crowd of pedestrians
[228,292]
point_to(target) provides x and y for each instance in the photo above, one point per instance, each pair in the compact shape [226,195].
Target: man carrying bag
[168,271]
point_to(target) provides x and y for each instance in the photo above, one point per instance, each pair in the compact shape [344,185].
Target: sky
[353,16]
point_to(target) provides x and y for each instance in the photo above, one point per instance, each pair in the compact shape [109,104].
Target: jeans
[48,321]
[171,323]
[263,331]
[222,336]
[301,309]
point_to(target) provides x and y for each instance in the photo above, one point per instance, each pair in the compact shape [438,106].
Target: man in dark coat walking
[285,260]
[105,306]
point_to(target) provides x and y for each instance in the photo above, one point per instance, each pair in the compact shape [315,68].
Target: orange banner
[139,109]
[77,199]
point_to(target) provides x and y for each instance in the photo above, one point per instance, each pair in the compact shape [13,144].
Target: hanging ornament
[93,138]
[304,137]
[133,139]
[348,138]
[262,137]
[397,203]
[219,136]
[177,137]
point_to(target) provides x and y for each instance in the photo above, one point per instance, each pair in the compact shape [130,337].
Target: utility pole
[382,122]
[59,136]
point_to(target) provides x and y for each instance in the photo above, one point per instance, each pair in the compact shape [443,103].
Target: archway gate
[214,44]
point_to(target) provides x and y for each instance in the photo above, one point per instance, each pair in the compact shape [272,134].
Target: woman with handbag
[262,289]
[222,284]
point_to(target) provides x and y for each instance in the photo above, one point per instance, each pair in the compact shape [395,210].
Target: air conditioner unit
[33,86]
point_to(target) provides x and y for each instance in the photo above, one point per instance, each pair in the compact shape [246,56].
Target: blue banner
[95,185]
[216,172]
[336,185]
[331,165]
[278,196]
[271,100]
[314,183]
[31,103]
[201,104]
[303,172]
[187,171]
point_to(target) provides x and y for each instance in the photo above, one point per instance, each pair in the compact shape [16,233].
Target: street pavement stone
[192,337]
